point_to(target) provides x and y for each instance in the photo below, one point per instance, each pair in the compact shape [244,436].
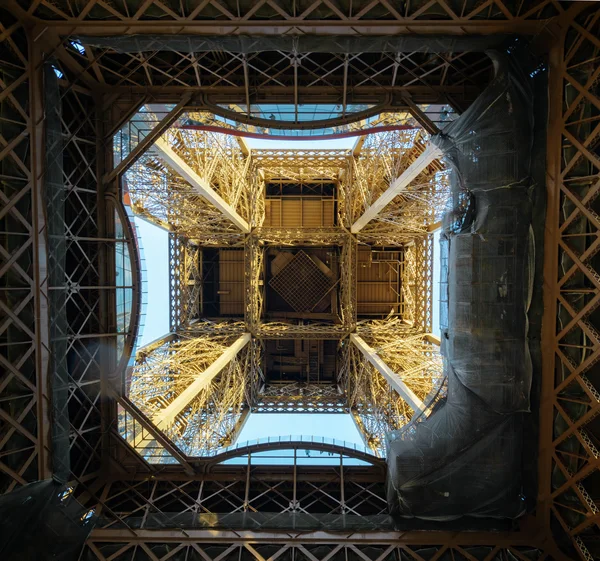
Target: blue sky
[156,250]
[155,242]
[336,144]
[338,426]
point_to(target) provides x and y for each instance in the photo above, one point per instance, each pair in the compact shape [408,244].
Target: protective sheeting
[42,521]
[465,459]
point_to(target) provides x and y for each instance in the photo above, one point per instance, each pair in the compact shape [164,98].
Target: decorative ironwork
[294,397]
[185,282]
[301,283]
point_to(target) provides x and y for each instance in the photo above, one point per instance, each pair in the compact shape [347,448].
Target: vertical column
[39,240]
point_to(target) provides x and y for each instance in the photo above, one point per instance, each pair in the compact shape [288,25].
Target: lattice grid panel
[301,283]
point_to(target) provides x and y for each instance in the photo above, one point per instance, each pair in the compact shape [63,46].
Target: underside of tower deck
[301,279]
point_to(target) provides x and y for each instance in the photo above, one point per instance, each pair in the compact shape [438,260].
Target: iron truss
[220,69]
[185,277]
[102,466]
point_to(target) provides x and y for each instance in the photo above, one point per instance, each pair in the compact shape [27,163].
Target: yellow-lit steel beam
[202,187]
[167,416]
[397,186]
[392,378]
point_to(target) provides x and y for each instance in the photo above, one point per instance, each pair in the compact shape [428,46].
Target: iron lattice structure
[60,246]
[374,404]
[167,199]
[293,397]
[210,419]
[185,282]
[234,172]
[382,158]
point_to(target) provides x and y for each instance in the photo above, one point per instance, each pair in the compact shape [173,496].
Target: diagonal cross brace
[397,186]
[167,416]
[392,378]
[201,186]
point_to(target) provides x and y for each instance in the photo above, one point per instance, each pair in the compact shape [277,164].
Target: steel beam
[433,339]
[275,27]
[167,416]
[40,246]
[421,117]
[150,138]
[205,98]
[501,539]
[397,186]
[156,433]
[393,379]
[201,186]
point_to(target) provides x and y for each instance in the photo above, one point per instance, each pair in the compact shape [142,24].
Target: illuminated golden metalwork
[165,370]
[382,158]
[161,193]
[300,165]
[222,169]
[377,409]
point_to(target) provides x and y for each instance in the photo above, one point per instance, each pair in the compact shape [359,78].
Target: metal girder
[40,246]
[154,431]
[397,186]
[177,164]
[421,117]
[571,165]
[185,282]
[149,138]
[23,287]
[394,379]
[568,447]
[275,27]
[166,417]
[334,548]
[399,539]
[392,98]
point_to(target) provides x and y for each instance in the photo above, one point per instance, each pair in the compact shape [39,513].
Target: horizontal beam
[204,98]
[397,186]
[201,186]
[276,27]
[166,417]
[392,378]
[433,339]
[415,537]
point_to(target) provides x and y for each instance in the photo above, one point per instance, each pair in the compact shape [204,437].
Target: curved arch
[136,273]
[254,447]
[335,136]
[303,125]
